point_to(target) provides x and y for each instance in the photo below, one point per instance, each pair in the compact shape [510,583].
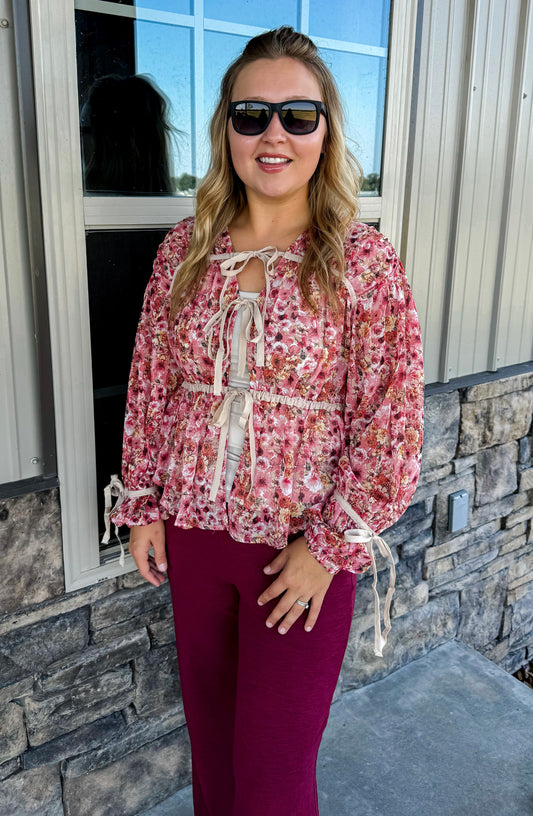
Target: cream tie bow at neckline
[230,266]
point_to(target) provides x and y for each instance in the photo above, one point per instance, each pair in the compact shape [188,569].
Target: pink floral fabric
[368,359]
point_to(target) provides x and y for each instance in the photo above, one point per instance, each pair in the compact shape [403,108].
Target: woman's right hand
[142,539]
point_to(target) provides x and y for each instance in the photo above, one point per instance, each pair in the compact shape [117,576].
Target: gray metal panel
[483,187]
[437,114]
[514,338]
[20,440]
[468,235]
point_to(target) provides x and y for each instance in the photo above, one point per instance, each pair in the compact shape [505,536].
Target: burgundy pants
[256,702]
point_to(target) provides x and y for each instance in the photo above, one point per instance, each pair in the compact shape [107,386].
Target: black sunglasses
[299,117]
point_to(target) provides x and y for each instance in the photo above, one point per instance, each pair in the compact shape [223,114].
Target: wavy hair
[333,188]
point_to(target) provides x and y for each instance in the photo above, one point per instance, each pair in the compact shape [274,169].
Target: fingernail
[308,628]
[270,625]
[260,603]
[282,631]
[266,569]
[163,567]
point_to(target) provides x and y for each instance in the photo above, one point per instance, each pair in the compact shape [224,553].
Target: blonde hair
[333,188]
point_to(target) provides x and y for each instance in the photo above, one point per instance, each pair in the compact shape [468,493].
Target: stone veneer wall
[91,722]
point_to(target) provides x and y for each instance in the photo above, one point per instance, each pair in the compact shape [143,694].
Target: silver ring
[304,604]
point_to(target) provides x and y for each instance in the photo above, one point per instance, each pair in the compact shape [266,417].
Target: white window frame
[66,216]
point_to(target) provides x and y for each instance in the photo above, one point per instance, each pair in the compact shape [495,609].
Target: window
[102,230]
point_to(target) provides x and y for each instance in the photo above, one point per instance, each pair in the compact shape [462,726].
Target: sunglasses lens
[250,118]
[300,118]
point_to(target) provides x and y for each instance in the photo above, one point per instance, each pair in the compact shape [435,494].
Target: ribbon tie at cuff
[363,534]
[117,489]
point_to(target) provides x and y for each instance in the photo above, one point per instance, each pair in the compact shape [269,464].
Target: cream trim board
[150,212]
[402,35]
[53,36]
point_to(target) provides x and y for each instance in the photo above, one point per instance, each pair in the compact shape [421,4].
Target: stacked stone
[91,720]
[475,585]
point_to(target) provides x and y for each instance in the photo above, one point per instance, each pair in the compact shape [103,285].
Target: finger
[295,612]
[143,565]
[281,609]
[314,611]
[155,571]
[276,588]
[160,553]
[277,563]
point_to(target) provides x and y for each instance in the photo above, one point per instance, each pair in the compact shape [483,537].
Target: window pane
[250,12]
[222,49]
[366,23]
[177,6]
[119,265]
[361,82]
[165,53]
[134,82]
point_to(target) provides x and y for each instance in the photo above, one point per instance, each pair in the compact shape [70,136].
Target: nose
[275,130]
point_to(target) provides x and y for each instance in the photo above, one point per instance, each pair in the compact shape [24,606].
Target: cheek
[315,152]
[239,150]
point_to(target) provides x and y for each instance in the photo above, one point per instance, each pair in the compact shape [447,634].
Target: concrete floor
[450,734]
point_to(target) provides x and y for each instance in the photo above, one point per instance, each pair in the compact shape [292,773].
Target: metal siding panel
[19,408]
[514,342]
[483,187]
[444,42]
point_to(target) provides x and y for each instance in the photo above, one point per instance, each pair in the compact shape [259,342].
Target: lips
[270,163]
[273,160]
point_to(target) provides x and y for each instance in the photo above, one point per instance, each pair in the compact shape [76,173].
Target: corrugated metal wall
[469,231]
[20,426]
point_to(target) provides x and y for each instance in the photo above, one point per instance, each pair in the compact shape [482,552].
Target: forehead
[275,80]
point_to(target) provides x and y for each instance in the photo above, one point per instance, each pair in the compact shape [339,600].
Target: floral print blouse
[334,414]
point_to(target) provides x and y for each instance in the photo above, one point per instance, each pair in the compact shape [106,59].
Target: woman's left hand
[301,578]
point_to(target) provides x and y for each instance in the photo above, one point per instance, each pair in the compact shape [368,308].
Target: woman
[275,401]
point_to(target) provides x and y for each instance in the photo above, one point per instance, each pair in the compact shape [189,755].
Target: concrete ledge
[449,734]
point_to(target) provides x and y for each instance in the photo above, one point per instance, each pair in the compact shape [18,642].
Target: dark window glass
[119,267]
[134,83]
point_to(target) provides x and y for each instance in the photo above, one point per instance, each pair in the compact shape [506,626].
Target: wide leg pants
[256,702]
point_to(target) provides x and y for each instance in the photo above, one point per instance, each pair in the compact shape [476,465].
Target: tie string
[230,267]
